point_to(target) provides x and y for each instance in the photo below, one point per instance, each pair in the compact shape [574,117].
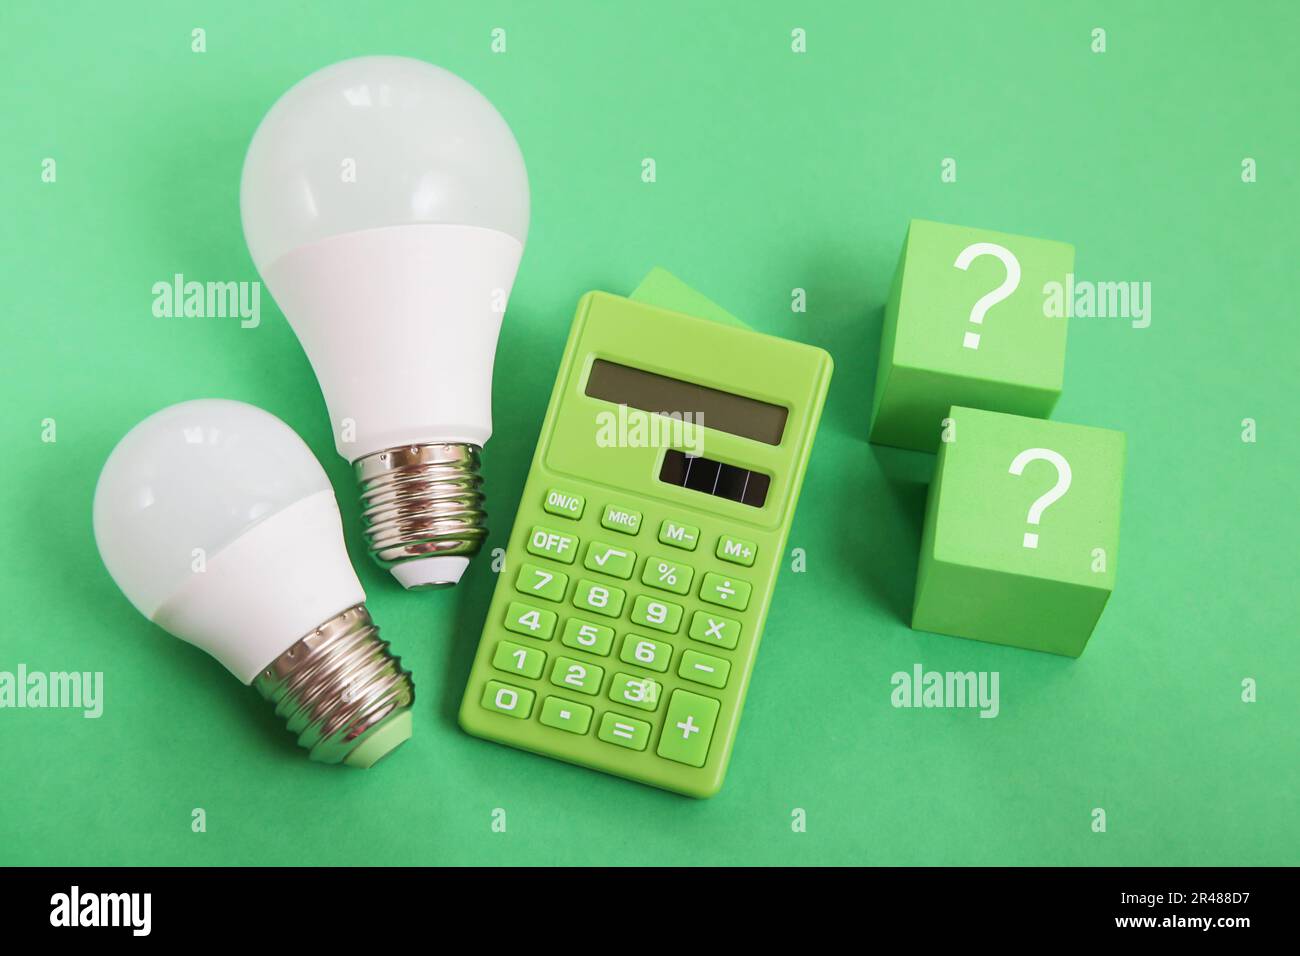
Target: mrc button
[618,518]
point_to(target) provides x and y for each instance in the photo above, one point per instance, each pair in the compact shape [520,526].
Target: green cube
[1021,531]
[971,320]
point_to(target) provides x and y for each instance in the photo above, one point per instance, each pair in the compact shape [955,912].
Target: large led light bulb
[219,525]
[385,203]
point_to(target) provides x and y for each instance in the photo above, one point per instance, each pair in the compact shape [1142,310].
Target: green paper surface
[660,287]
[775,172]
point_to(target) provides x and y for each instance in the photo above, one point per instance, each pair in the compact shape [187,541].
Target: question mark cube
[933,356]
[1021,531]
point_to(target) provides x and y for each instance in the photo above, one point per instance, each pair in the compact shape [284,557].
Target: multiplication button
[711,628]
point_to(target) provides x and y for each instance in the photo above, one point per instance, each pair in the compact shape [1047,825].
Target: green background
[776,170]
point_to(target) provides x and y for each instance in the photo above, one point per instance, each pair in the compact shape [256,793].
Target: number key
[653,655]
[575,675]
[586,636]
[508,700]
[660,615]
[517,659]
[600,598]
[548,585]
[640,692]
[525,619]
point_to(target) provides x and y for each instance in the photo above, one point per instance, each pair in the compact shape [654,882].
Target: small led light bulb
[219,525]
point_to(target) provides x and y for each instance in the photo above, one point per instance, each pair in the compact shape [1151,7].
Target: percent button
[667,574]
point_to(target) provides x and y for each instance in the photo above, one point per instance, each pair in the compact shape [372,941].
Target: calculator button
[609,559]
[559,502]
[667,574]
[600,598]
[736,550]
[725,590]
[715,629]
[639,692]
[517,659]
[546,543]
[548,585]
[624,731]
[704,669]
[660,615]
[679,535]
[586,636]
[526,619]
[688,728]
[575,675]
[652,655]
[508,700]
[618,518]
[566,715]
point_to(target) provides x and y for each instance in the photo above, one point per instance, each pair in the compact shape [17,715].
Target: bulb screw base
[341,691]
[422,502]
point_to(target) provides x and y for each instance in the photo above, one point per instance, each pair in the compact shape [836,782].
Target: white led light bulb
[385,203]
[219,525]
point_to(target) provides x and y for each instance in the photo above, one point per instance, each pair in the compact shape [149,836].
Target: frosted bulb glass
[218,524]
[385,203]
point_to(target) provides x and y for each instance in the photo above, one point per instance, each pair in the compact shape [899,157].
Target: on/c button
[565,505]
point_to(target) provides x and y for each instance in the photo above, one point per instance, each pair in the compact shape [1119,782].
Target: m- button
[679,535]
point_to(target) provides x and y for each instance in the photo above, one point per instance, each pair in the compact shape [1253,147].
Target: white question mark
[1057,491]
[1008,286]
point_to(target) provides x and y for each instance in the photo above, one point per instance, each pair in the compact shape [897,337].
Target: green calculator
[626,619]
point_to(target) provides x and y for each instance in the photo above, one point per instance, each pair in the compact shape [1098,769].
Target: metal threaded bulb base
[341,691]
[422,501]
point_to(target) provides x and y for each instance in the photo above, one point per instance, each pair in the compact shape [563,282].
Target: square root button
[688,728]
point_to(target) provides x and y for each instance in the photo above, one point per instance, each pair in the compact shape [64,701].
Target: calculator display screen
[710,407]
[715,478]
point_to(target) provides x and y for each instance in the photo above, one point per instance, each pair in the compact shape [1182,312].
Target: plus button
[688,727]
